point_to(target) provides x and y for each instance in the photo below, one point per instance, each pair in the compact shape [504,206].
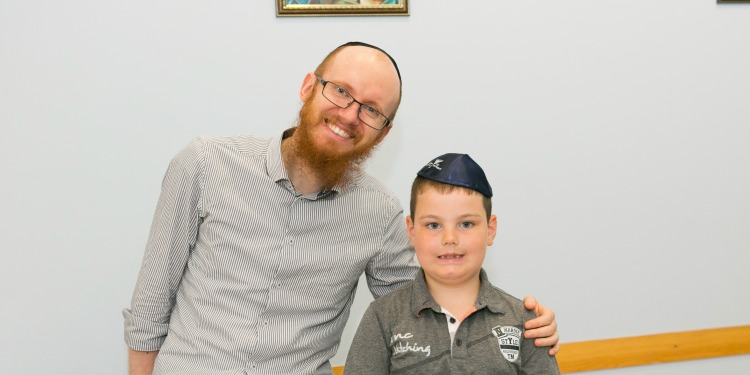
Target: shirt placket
[267,322]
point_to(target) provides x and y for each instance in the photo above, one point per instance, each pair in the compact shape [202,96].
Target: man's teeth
[339,131]
[450,256]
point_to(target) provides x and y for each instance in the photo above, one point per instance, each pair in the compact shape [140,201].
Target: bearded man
[257,244]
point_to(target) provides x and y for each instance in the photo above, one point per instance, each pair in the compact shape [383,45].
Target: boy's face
[450,234]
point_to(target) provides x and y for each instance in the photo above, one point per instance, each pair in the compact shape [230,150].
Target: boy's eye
[433,225]
[467,224]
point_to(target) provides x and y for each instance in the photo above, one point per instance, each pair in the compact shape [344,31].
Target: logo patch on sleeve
[509,339]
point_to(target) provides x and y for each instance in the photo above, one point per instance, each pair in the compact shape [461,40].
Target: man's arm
[543,328]
[173,233]
[141,363]
[396,265]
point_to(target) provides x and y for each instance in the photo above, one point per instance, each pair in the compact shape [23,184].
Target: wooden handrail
[648,350]
[653,349]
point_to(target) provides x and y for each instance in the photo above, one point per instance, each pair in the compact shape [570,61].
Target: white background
[616,135]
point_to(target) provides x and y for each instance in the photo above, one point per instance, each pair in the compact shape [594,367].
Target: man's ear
[307,86]
[383,133]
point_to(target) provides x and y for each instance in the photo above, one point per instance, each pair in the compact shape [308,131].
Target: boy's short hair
[421,184]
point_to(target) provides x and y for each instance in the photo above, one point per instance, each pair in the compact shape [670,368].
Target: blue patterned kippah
[459,170]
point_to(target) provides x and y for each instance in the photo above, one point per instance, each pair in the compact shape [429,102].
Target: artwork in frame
[342,8]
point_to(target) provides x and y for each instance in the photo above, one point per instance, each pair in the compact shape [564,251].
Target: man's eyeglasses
[341,98]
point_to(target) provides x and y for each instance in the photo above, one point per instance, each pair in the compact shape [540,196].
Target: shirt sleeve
[173,234]
[396,264]
[369,353]
[536,360]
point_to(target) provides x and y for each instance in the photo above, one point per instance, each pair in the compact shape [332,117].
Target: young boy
[450,320]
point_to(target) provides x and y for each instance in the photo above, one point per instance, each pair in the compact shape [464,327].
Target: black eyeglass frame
[361,105]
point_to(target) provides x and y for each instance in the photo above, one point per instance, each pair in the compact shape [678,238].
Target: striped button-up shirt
[243,275]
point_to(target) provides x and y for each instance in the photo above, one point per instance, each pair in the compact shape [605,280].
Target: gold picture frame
[286,8]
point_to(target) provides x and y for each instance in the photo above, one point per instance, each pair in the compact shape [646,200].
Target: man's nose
[350,114]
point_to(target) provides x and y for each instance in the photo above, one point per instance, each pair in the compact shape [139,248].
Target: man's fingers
[545,317]
[543,328]
[550,341]
[529,303]
[554,350]
[540,331]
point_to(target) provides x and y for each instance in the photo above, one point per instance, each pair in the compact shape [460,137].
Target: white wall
[616,135]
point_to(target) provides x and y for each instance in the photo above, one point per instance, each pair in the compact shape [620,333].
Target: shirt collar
[422,299]
[276,170]
[274,163]
[488,296]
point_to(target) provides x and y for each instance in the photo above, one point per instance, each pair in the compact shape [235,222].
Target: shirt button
[452,320]
[459,342]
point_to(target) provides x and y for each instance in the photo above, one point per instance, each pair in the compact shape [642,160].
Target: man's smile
[339,131]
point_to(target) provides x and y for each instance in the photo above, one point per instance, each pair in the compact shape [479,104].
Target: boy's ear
[491,229]
[410,229]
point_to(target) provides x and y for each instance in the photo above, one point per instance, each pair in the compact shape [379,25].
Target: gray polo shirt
[405,332]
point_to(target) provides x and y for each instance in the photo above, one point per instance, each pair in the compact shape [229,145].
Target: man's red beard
[333,167]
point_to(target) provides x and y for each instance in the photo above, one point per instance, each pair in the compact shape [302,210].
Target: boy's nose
[449,237]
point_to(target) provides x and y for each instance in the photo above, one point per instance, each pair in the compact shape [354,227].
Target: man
[257,244]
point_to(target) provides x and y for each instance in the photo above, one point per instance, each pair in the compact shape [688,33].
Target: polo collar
[422,299]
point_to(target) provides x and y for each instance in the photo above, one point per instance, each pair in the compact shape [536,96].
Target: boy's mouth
[451,256]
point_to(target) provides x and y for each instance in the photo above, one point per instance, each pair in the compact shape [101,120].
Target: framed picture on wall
[342,8]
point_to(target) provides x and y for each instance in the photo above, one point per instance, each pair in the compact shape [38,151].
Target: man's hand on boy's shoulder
[543,328]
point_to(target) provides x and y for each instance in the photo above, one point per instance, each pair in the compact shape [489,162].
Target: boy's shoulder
[414,297]
[405,302]
[498,300]
[399,299]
